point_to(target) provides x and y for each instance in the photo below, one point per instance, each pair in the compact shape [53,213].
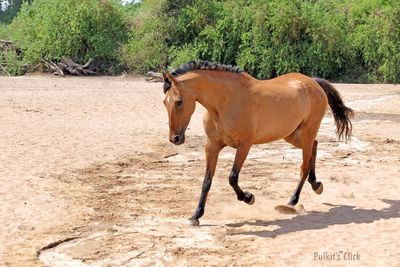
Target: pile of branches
[68,67]
[152,76]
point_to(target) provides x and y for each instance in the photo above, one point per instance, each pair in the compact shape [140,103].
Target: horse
[242,111]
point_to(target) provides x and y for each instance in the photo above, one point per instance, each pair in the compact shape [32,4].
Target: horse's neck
[212,95]
[211,99]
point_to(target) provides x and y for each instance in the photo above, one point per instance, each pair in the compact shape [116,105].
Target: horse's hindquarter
[280,105]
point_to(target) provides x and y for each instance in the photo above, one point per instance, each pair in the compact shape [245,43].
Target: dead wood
[69,67]
[152,76]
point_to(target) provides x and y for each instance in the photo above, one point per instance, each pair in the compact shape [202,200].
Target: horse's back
[283,103]
[301,88]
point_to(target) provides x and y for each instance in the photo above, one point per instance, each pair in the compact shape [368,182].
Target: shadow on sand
[339,214]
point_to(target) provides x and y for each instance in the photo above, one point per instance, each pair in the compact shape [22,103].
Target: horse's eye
[178,103]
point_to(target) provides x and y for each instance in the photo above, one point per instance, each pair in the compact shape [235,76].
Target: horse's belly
[269,136]
[275,126]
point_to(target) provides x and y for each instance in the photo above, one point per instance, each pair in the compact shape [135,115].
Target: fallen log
[152,76]
[68,67]
[54,67]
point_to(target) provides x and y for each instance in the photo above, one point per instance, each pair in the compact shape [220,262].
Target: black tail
[341,113]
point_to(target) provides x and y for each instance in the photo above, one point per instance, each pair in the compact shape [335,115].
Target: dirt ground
[88,178]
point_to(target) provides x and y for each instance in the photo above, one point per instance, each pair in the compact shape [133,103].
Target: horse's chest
[230,135]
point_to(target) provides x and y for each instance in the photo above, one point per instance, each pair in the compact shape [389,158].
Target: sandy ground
[88,178]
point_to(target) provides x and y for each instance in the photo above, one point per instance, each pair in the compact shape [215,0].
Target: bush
[4,32]
[159,29]
[357,41]
[78,29]
[374,34]
[11,62]
[183,54]
[146,48]
[340,40]
[301,37]
[10,59]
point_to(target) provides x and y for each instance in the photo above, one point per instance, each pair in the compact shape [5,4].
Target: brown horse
[242,111]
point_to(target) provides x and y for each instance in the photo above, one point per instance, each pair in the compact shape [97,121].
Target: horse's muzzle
[178,139]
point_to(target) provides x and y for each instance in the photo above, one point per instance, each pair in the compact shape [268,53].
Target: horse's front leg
[241,154]
[212,151]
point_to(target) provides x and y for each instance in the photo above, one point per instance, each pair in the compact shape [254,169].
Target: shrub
[358,41]
[146,48]
[301,37]
[183,54]
[374,34]
[79,29]
[4,32]
[11,62]
[340,40]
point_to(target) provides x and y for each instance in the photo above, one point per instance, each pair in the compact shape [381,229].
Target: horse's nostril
[176,139]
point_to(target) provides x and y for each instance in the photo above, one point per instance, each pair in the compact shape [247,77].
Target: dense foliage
[336,39]
[146,48]
[340,40]
[79,29]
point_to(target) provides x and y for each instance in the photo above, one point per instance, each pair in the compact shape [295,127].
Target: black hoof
[249,198]
[194,222]
[319,188]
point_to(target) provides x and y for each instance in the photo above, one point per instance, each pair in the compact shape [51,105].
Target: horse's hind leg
[296,140]
[303,137]
[240,157]
[312,179]
[305,168]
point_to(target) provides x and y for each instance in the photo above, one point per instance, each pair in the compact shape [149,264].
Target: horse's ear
[170,77]
[164,76]
[167,83]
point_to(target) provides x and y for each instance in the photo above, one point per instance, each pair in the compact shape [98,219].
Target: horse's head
[180,104]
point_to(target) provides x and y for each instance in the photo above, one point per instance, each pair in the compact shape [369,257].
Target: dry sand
[88,178]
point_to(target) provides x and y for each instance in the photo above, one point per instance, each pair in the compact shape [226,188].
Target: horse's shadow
[338,215]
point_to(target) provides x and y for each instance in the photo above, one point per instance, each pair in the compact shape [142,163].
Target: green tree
[10,8]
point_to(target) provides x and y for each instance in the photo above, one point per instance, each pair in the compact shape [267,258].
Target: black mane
[200,65]
[204,65]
